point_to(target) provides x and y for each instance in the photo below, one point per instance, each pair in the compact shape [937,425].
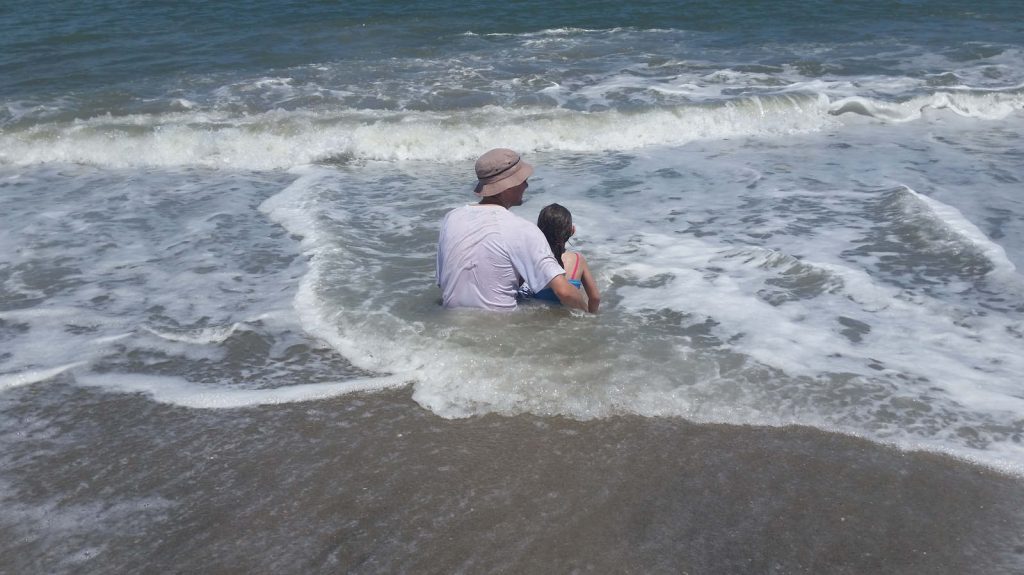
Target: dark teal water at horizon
[54,48]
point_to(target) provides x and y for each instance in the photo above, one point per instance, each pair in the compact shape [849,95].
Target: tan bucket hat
[498,170]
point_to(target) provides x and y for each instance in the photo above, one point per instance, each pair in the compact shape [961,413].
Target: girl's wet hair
[556,223]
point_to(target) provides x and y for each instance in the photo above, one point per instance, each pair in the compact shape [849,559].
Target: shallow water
[374,483]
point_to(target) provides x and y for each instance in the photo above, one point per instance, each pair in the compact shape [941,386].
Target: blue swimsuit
[549,295]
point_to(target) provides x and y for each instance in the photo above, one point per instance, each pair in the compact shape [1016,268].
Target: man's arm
[567,293]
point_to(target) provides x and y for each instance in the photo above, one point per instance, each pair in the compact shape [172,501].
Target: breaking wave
[280,139]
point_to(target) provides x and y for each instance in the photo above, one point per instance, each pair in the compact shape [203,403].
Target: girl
[556,223]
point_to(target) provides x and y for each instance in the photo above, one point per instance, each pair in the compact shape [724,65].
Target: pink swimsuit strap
[572,276]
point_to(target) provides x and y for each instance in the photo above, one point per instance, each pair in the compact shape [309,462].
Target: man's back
[485,252]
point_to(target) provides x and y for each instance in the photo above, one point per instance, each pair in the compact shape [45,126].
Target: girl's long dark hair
[556,223]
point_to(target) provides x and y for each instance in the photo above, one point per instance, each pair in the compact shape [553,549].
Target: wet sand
[103,483]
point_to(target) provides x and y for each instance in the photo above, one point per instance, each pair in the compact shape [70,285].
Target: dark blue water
[52,48]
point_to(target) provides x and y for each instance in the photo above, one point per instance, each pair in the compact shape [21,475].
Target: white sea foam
[17,379]
[279,139]
[805,340]
[181,392]
[296,209]
[955,221]
[199,336]
[970,104]
[736,300]
[47,342]
[707,329]
[568,32]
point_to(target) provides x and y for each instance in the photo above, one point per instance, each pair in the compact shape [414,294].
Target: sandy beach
[376,484]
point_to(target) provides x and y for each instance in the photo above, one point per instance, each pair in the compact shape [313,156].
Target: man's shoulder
[500,216]
[518,222]
[525,233]
[456,211]
[460,213]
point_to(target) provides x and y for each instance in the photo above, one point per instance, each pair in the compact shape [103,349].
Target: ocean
[221,344]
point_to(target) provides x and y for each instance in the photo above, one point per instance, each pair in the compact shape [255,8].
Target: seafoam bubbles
[938,228]
[349,272]
[743,293]
[174,278]
[282,139]
[767,265]
[183,393]
[28,376]
[731,294]
[986,105]
[46,341]
[741,300]
[371,295]
[199,335]
[270,140]
[461,364]
[810,278]
[929,249]
[848,353]
[951,218]
[807,318]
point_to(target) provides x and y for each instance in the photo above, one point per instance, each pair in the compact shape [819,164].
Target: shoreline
[374,483]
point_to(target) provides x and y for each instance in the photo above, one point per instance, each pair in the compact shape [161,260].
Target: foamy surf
[952,219]
[967,103]
[30,376]
[283,139]
[702,329]
[183,393]
[205,335]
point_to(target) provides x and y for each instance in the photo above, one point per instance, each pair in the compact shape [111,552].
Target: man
[485,252]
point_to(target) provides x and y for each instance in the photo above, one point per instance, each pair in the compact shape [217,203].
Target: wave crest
[969,104]
[283,139]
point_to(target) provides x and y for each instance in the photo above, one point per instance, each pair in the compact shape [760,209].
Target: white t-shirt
[485,252]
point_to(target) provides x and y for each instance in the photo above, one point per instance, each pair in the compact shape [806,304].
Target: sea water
[797,213]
